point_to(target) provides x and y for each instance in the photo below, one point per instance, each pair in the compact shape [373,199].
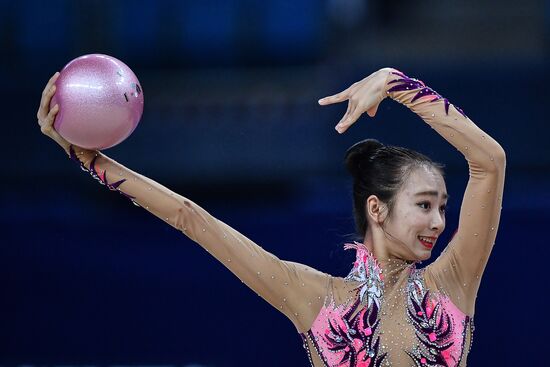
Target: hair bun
[358,155]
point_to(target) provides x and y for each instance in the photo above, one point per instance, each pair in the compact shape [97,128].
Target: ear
[376,209]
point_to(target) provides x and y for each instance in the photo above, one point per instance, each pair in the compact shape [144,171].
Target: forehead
[424,179]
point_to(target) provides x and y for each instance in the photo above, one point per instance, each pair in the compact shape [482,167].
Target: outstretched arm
[286,285]
[294,289]
[459,268]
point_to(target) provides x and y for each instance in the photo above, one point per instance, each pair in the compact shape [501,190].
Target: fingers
[341,124]
[45,103]
[339,97]
[47,124]
[47,95]
[50,83]
[363,96]
[346,122]
[352,104]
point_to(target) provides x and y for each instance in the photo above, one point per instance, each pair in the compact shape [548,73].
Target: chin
[425,255]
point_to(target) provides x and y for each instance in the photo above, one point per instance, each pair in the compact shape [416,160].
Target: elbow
[191,219]
[182,220]
[500,156]
[498,159]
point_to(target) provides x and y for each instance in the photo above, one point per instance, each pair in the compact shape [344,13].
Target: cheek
[414,220]
[411,225]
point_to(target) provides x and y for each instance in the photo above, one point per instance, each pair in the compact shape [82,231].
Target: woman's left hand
[364,95]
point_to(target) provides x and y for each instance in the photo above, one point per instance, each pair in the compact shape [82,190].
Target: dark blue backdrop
[231,121]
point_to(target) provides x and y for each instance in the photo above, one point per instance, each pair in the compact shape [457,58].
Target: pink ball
[100,101]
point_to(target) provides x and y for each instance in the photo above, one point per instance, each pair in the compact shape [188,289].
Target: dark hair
[380,170]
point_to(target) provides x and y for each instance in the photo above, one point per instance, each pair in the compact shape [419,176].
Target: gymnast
[386,311]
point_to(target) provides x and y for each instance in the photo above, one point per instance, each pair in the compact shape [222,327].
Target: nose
[438,222]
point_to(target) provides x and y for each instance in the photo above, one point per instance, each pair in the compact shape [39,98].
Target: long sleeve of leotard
[457,272]
[294,289]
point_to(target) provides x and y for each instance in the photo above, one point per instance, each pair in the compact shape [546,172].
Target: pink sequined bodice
[405,324]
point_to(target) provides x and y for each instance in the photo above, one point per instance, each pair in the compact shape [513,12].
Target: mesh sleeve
[458,270]
[295,289]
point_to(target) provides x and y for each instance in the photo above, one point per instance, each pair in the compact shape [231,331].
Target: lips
[426,244]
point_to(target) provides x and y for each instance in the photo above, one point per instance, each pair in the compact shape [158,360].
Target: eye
[424,203]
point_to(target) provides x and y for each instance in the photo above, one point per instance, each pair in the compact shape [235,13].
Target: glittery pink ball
[100,101]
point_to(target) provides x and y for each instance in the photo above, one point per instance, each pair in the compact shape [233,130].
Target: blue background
[231,121]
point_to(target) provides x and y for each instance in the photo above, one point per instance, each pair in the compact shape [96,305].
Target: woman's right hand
[46,116]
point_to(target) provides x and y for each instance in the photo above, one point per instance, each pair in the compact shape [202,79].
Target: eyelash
[444,207]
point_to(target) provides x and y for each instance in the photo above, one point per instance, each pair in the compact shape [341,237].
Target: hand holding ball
[100,102]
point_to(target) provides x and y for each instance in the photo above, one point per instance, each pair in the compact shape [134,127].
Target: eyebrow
[432,193]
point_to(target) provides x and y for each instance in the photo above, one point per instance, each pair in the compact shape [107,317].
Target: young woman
[386,312]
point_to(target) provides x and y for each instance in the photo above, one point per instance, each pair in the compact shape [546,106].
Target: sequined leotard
[381,314]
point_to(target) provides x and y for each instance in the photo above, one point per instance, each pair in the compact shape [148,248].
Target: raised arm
[294,289]
[458,270]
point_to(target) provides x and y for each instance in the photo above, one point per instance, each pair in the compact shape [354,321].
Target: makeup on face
[426,243]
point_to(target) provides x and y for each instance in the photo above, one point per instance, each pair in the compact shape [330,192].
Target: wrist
[385,76]
[78,153]
[387,70]
[66,147]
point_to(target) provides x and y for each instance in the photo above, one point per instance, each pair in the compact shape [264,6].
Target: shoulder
[441,281]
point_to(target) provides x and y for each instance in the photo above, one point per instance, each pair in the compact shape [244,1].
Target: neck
[389,263]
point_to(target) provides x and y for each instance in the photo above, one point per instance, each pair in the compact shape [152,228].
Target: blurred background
[231,121]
